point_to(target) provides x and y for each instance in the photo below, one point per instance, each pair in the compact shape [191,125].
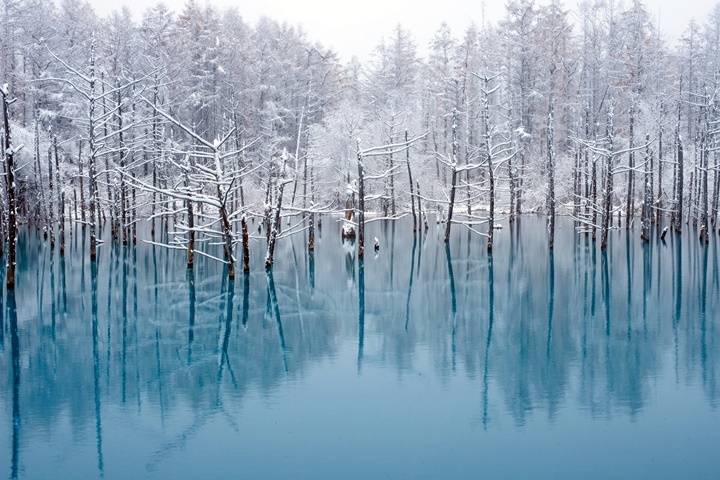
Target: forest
[212,130]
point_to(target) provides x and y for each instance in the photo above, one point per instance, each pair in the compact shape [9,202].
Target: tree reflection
[491,321]
[274,312]
[224,357]
[190,274]
[530,331]
[361,312]
[15,354]
[96,362]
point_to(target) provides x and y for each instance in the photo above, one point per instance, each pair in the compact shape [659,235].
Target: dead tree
[630,205]
[410,182]
[551,175]
[362,155]
[10,151]
[208,175]
[99,131]
[609,177]
[453,181]
[61,197]
[277,206]
[647,193]
[703,170]
[679,182]
[361,202]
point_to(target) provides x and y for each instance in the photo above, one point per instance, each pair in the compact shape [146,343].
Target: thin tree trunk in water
[586,170]
[123,189]
[61,200]
[297,156]
[361,204]
[659,202]
[134,216]
[421,219]
[453,182]
[519,185]
[191,226]
[311,232]
[51,202]
[274,229]
[43,217]
[607,201]
[647,193]
[109,185]
[246,247]
[227,237]
[680,180]
[239,144]
[630,205]
[91,157]
[551,174]
[594,182]
[158,150]
[392,184]
[12,209]
[511,181]
[491,173]
[704,163]
[690,198]
[468,142]
[716,187]
[576,183]
[412,195]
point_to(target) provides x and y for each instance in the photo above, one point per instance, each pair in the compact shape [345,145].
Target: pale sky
[355,28]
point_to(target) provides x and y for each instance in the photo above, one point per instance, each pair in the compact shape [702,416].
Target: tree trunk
[91,157]
[680,181]
[61,200]
[361,203]
[630,205]
[275,227]
[51,203]
[609,167]
[410,181]
[703,171]
[551,175]
[191,226]
[647,193]
[12,209]
[659,202]
[453,182]
[491,173]
[246,247]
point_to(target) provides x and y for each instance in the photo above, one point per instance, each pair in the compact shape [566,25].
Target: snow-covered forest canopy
[197,120]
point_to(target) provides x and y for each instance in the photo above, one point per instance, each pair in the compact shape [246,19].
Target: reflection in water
[453,305]
[96,363]
[246,299]
[224,357]
[491,320]
[191,312]
[273,311]
[15,354]
[361,312]
[537,336]
[410,281]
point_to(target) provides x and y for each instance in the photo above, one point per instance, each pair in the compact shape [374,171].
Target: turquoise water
[423,361]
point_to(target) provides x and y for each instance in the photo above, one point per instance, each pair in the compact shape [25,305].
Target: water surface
[423,361]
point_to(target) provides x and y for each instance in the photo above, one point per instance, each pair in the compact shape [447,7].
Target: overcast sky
[355,28]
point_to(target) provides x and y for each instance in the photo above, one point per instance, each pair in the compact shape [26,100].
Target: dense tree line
[201,122]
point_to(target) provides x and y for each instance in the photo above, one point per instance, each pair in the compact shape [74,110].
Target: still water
[423,361]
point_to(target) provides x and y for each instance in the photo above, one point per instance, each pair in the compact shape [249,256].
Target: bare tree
[9,151]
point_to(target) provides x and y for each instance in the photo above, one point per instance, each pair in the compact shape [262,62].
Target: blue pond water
[424,361]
